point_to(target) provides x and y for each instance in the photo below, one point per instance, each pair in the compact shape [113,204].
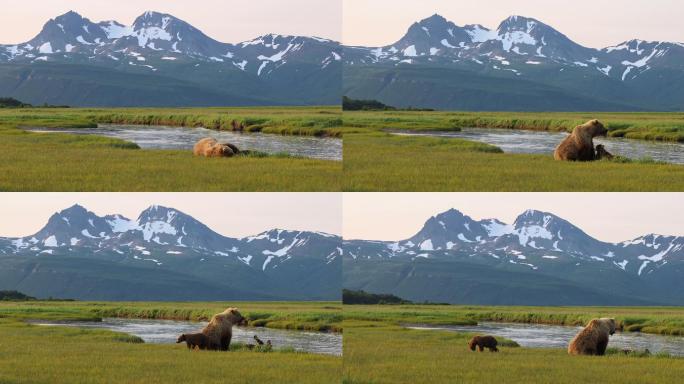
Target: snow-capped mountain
[538,244]
[520,48]
[166,240]
[163,45]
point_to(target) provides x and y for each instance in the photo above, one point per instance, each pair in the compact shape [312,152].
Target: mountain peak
[75,208]
[516,22]
[158,212]
[434,19]
[153,15]
[69,16]
[534,217]
[154,19]
[452,212]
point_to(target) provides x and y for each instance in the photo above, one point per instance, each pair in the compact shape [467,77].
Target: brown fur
[482,342]
[209,147]
[237,126]
[219,331]
[194,340]
[593,339]
[579,146]
[602,153]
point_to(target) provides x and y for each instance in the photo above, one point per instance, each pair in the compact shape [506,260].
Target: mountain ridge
[540,244]
[268,70]
[115,255]
[536,59]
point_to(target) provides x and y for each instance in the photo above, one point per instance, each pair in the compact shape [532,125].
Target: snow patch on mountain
[51,242]
[496,228]
[156,227]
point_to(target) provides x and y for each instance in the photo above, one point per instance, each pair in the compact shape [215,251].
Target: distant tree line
[15,296]
[10,102]
[362,297]
[18,296]
[349,104]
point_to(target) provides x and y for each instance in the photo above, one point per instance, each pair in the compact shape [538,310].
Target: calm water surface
[541,142]
[163,137]
[167,331]
[555,336]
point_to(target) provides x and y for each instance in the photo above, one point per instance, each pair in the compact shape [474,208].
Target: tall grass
[390,354]
[28,161]
[377,349]
[378,161]
[313,316]
[39,354]
[644,126]
[658,320]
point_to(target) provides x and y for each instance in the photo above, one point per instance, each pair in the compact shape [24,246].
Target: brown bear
[579,146]
[194,340]
[602,153]
[482,342]
[593,339]
[209,147]
[219,331]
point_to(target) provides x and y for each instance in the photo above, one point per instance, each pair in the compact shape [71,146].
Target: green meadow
[376,160]
[657,320]
[664,126]
[65,162]
[378,350]
[41,354]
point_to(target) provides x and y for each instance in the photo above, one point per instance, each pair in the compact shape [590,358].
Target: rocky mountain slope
[167,255]
[159,59]
[541,255]
[522,64]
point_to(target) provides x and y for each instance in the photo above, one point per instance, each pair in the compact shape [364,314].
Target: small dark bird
[258,340]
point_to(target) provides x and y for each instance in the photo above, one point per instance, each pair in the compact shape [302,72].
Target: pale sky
[611,217]
[229,21]
[230,214]
[592,23]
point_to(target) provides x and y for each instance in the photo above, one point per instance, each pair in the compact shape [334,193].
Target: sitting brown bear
[579,146]
[209,147]
[482,342]
[194,340]
[593,339]
[219,331]
[602,153]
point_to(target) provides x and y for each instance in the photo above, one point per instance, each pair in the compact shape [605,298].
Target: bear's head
[181,338]
[234,316]
[473,343]
[612,324]
[596,128]
[226,150]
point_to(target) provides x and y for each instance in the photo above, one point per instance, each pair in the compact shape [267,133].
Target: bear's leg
[225,343]
[480,347]
[494,349]
[601,347]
